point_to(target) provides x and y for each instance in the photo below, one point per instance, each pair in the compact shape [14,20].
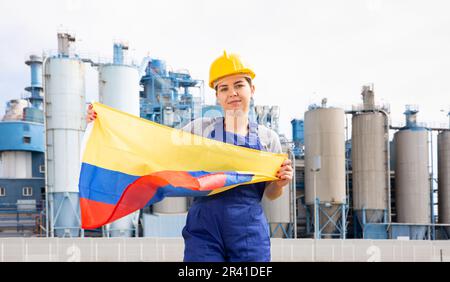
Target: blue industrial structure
[166,97]
[337,221]
[22,171]
[35,88]
[22,135]
[298,136]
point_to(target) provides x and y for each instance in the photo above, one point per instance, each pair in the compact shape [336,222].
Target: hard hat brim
[247,73]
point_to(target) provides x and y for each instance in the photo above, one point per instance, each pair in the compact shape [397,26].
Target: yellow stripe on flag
[132,145]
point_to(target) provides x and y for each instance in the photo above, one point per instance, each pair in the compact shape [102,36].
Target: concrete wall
[171,249]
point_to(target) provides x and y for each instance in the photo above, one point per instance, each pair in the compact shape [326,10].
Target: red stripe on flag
[93,213]
[212,181]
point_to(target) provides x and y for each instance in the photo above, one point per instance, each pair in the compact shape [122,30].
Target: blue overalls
[231,225]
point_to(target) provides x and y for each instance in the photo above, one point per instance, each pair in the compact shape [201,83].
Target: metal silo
[65,123]
[280,212]
[324,137]
[370,168]
[444,177]
[412,191]
[119,88]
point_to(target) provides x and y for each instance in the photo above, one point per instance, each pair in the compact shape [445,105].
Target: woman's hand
[285,174]
[91,114]
[274,189]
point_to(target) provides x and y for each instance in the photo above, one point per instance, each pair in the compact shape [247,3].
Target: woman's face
[233,94]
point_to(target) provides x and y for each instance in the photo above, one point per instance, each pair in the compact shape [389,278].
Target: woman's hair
[249,80]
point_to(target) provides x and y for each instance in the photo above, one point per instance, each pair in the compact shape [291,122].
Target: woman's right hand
[91,114]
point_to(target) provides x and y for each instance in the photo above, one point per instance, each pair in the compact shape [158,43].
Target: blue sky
[301,51]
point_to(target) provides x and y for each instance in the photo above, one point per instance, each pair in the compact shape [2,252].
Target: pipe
[388,163]
[294,192]
[431,184]
[45,151]
[428,128]
[347,184]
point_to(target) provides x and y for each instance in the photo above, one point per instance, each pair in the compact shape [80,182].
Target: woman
[231,226]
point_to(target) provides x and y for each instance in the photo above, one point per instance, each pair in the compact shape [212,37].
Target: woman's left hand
[285,173]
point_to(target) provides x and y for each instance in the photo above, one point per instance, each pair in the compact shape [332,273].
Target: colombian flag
[129,163]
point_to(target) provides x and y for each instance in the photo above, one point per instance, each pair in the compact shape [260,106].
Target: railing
[22,220]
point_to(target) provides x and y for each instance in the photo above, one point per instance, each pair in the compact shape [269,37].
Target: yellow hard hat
[225,65]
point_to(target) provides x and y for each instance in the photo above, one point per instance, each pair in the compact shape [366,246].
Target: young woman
[231,226]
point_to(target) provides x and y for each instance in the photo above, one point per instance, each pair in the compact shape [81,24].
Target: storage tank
[119,89]
[65,123]
[444,177]
[412,191]
[280,212]
[324,137]
[119,85]
[370,162]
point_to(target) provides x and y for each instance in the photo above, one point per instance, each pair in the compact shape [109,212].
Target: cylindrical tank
[324,137]
[119,89]
[65,123]
[412,191]
[444,178]
[278,212]
[369,165]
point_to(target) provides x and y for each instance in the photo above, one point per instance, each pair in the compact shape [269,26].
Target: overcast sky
[301,51]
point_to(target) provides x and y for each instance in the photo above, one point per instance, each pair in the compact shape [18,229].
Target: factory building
[351,180]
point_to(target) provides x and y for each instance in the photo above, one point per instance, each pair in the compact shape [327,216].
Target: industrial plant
[351,180]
